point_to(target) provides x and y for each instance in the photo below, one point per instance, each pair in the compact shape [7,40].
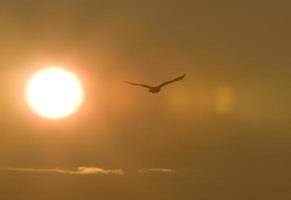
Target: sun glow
[54,93]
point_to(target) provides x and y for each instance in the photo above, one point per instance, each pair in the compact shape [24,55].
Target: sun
[54,93]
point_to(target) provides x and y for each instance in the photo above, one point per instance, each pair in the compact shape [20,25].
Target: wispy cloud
[78,171]
[90,170]
[163,170]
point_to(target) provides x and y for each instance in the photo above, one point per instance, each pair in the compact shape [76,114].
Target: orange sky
[221,133]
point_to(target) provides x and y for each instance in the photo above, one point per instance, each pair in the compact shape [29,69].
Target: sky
[221,133]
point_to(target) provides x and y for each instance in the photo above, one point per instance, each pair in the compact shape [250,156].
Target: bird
[156,89]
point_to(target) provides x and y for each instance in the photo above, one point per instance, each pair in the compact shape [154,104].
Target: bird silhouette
[156,89]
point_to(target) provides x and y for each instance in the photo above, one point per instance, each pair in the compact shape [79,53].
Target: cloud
[78,171]
[163,170]
[90,170]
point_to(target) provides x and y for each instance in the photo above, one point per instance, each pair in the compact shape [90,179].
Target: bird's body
[156,89]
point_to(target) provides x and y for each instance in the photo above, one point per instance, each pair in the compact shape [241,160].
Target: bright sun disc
[54,93]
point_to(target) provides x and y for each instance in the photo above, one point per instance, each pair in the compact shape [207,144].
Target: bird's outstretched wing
[138,84]
[171,81]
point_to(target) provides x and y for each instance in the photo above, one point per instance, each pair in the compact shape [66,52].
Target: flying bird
[156,89]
